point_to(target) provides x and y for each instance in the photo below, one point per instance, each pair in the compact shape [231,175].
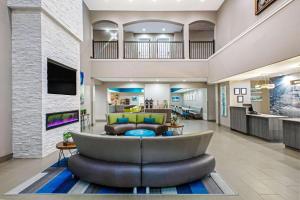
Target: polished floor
[255,169]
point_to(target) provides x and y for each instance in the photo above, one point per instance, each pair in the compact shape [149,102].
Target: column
[186,39]
[121,40]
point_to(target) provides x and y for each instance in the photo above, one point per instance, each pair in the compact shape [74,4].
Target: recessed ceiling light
[184,80]
[130,1]
[178,0]
[157,80]
[163,29]
[154,0]
[144,30]
[202,0]
[130,80]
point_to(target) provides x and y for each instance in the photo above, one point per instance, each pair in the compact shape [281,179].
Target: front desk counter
[291,132]
[267,127]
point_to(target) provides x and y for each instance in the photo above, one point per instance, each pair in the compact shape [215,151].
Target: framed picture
[261,5]
[243,91]
[240,99]
[237,91]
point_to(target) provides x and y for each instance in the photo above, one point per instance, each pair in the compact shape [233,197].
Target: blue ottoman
[140,133]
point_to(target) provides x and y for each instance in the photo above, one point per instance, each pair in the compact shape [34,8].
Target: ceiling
[153,27]
[278,69]
[154,5]
[154,80]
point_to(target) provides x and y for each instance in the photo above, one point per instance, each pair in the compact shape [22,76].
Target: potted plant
[66,137]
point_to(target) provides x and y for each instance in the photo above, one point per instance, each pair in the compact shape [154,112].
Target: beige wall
[201,35]
[5,81]
[149,68]
[273,40]
[235,16]
[85,62]
[240,84]
[264,105]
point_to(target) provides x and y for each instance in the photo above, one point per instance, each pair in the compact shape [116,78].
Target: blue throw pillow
[149,120]
[122,120]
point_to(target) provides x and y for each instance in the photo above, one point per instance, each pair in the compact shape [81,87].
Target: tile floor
[255,169]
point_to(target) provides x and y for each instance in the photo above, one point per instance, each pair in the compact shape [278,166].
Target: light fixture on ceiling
[131,80]
[154,0]
[202,1]
[183,80]
[144,30]
[157,80]
[163,29]
[130,1]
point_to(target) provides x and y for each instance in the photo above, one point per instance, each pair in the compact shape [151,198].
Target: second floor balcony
[154,42]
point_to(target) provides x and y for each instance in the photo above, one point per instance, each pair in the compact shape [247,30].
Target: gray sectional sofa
[134,162]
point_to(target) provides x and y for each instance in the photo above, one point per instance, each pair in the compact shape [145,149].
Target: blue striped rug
[59,180]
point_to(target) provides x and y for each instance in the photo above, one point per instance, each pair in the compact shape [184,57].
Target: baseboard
[6,158]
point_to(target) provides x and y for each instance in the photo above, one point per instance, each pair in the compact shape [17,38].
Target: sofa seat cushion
[112,174]
[119,129]
[162,174]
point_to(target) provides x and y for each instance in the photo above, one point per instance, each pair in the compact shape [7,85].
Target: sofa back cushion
[109,148]
[176,148]
[158,118]
[113,118]
[141,116]
[131,117]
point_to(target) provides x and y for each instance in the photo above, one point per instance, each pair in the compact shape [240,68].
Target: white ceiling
[153,27]
[154,5]
[278,69]
[154,80]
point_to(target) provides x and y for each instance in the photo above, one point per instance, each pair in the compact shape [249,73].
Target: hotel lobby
[150,99]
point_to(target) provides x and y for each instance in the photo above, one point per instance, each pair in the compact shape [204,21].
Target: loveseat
[135,121]
[135,162]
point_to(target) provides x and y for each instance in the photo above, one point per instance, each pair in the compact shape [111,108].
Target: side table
[176,127]
[62,147]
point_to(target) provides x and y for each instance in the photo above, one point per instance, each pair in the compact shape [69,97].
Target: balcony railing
[105,50]
[153,50]
[201,49]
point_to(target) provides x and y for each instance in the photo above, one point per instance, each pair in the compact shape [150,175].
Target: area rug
[57,179]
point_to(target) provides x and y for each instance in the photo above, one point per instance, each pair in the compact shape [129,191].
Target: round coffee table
[140,133]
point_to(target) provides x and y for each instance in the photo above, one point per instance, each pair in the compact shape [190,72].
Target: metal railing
[153,50]
[201,49]
[105,50]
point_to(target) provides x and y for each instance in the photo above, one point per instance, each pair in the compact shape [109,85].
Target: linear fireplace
[54,120]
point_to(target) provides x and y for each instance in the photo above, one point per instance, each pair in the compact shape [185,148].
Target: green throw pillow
[113,117]
[159,118]
[140,118]
[131,117]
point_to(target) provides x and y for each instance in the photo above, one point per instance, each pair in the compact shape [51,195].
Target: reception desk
[267,127]
[291,132]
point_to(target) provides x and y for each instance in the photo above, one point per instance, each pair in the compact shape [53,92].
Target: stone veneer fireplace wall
[43,30]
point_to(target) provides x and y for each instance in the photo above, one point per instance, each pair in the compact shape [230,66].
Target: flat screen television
[61,79]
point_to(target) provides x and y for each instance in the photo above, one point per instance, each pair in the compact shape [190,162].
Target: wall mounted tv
[61,79]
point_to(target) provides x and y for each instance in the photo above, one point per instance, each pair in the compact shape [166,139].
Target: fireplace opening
[55,120]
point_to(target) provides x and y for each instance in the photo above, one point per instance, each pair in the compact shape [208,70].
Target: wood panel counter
[268,127]
[291,132]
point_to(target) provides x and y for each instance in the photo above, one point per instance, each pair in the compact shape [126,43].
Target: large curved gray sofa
[134,162]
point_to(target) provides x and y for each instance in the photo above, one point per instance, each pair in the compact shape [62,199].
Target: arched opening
[153,39]
[105,40]
[201,36]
